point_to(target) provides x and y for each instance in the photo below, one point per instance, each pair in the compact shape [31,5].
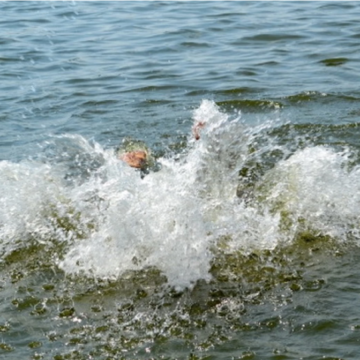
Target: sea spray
[98,218]
[315,189]
[167,220]
[220,241]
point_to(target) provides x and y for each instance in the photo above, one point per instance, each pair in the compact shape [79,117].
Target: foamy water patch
[26,187]
[162,220]
[155,221]
[314,190]
[112,220]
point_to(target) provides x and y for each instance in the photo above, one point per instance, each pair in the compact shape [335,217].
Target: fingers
[196,129]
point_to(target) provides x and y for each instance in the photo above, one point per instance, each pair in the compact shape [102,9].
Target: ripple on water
[244,245]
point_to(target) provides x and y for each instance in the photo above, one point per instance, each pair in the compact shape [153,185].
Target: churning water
[243,244]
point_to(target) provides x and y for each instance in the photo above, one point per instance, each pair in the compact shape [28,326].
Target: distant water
[244,245]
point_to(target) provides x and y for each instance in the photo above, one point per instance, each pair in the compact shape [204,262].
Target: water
[244,245]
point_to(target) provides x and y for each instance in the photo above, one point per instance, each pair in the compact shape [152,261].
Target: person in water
[137,155]
[136,159]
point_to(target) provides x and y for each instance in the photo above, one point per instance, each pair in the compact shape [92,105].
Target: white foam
[170,219]
[316,184]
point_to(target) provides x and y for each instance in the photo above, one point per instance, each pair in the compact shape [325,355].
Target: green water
[243,245]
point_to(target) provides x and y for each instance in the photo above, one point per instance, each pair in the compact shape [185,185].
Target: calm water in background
[97,263]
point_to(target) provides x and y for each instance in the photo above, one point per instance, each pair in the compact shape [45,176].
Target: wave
[239,190]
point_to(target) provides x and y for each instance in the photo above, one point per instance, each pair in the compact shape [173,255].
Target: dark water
[245,245]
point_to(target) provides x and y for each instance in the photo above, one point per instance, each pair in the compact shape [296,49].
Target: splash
[109,220]
[166,220]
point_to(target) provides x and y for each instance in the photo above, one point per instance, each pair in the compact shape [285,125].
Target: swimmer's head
[135,153]
[136,159]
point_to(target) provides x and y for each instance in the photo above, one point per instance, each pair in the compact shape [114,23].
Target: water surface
[244,245]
